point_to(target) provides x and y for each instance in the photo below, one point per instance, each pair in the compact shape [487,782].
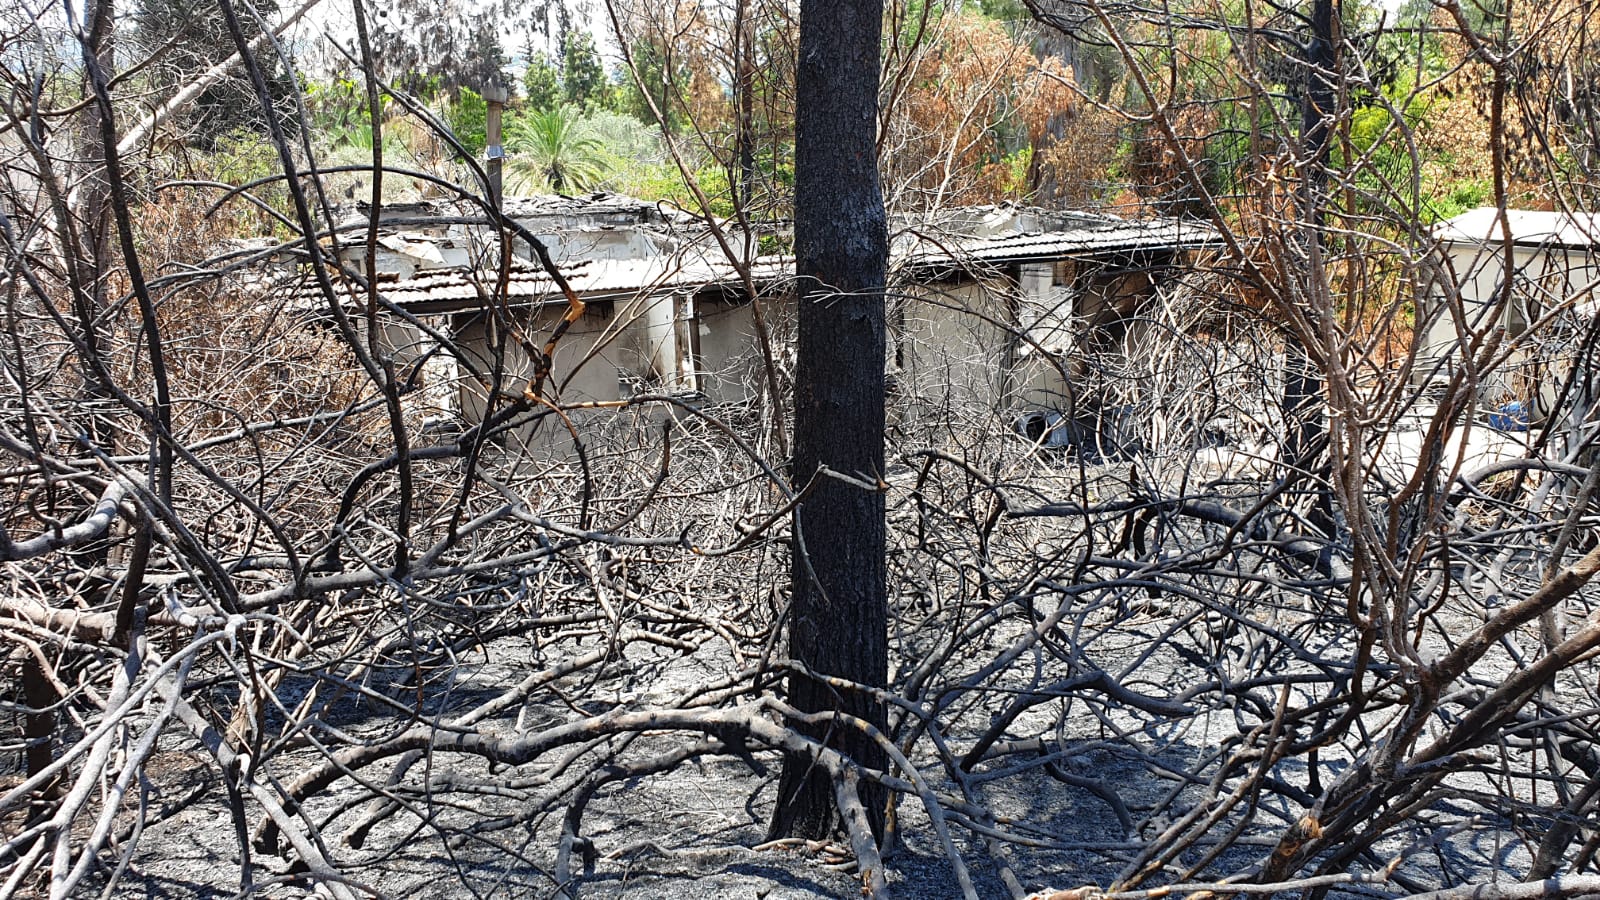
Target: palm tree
[555,149]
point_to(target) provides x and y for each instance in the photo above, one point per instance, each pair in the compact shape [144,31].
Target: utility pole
[495,95]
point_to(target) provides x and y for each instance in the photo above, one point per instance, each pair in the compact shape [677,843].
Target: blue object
[1512,416]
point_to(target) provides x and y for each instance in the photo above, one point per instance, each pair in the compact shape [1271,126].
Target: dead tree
[838,621]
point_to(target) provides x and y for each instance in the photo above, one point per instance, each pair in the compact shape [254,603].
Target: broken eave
[455,290]
[1104,240]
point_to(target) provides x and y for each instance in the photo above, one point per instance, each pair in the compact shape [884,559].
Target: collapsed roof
[609,245]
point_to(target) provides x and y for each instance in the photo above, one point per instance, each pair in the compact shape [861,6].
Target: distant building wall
[1008,343]
[602,358]
[975,331]
[591,244]
[731,367]
[953,348]
[24,195]
[1541,280]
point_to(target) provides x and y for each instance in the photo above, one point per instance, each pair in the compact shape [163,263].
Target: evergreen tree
[468,119]
[660,80]
[583,79]
[541,83]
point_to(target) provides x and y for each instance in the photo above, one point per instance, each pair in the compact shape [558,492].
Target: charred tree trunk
[91,277]
[744,90]
[86,235]
[837,623]
[1303,388]
[40,696]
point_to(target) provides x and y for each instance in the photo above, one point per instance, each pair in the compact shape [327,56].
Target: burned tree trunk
[837,622]
[1303,399]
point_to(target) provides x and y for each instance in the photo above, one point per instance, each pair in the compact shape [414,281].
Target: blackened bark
[838,619]
[1303,388]
[91,281]
[744,85]
[39,729]
[1322,95]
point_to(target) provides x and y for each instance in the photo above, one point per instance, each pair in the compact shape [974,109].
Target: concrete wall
[1007,345]
[602,358]
[954,348]
[411,346]
[730,367]
[574,244]
[23,197]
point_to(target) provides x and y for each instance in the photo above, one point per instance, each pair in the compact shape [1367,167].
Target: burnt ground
[699,831]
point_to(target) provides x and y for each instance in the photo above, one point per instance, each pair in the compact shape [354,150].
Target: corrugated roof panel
[438,290]
[1094,236]
[459,288]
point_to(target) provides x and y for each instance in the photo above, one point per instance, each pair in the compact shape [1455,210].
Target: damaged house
[984,304]
[1000,307]
[663,310]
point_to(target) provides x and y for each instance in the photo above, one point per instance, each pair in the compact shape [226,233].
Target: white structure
[665,313]
[1549,269]
[999,306]
[986,305]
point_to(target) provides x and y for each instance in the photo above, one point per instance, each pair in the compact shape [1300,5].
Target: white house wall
[410,346]
[660,314]
[958,353]
[962,346]
[598,244]
[598,360]
[730,366]
[1545,278]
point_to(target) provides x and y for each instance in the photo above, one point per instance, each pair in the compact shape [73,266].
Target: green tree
[660,79]
[468,118]
[541,83]
[422,47]
[583,78]
[555,149]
